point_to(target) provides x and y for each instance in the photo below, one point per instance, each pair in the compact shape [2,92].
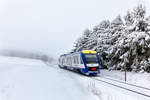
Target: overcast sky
[51,26]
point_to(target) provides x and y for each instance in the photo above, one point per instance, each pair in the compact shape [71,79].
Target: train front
[91,62]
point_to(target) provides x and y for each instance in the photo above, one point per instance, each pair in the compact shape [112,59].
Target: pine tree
[81,42]
[129,18]
[123,42]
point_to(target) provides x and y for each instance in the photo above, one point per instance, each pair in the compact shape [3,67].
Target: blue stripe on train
[83,70]
[98,63]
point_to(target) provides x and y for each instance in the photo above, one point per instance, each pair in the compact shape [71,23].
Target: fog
[51,26]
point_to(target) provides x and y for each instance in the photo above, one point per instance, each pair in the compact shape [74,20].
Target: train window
[91,58]
[62,61]
[77,60]
[74,60]
[81,62]
[71,60]
[68,60]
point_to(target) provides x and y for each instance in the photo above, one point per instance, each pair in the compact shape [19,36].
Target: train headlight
[92,65]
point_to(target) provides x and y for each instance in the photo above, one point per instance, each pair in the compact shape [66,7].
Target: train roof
[63,55]
[83,51]
[88,51]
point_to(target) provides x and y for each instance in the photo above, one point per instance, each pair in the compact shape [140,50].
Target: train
[86,62]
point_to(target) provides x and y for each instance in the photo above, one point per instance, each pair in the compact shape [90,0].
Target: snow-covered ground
[27,79]
[140,79]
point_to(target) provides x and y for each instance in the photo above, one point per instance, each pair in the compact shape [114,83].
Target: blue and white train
[86,62]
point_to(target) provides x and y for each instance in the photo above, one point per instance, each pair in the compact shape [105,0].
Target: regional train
[86,62]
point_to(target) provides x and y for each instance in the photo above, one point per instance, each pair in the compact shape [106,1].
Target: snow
[27,79]
[109,92]
[141,79]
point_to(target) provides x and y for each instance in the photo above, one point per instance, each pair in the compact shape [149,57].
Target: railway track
[140,90]
[126,86]
[127,83]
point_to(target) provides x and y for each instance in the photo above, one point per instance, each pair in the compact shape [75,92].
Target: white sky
[51,26]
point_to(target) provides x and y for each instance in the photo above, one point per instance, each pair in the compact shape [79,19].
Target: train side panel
[74,62]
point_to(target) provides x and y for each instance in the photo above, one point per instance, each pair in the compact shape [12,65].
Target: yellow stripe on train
[88,51]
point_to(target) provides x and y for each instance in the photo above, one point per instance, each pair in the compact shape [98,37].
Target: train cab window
[91,58]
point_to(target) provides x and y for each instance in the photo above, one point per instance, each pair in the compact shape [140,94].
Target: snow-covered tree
[129,18]
[80,44]
[123,42]
[139,12]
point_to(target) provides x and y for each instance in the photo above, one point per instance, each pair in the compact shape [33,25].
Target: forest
[122,43]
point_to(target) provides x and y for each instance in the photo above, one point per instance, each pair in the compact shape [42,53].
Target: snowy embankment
[140,79]
[26,79]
